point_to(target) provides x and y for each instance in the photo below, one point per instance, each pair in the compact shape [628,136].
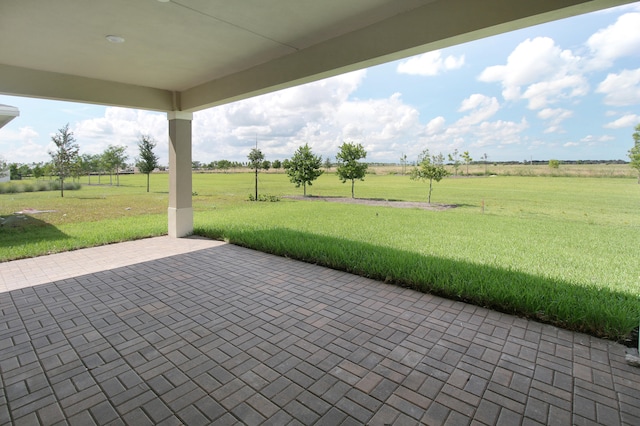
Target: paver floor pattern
[227,335]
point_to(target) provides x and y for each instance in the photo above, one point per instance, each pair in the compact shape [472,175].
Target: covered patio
[191,331]
[202,332]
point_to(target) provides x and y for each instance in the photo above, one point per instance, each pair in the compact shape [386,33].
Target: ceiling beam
[436,25]
[49,85]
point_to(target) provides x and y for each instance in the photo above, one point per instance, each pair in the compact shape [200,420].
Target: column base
[180,222]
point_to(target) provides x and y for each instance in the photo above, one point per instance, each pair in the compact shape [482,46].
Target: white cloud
[430,64]
[122,127]
[591,140]
[618,40]
[628,120]
[621,89]
[436,125]
[482,108]
[322,114]
[24,146]
[571,144]
[554,116]
[538,71]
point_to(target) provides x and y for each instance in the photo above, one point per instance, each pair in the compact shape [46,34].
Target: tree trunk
[256,184]
[61,187]
[148,174]
[353,182]
[430,188]
[304,186]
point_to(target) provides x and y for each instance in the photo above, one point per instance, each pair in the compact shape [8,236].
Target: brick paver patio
[199,332]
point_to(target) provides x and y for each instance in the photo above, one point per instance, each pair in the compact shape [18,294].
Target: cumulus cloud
[122,127]
[538,71]
[554,116]
[430,64]
[436,125]
[621,89]
[628,120]
[24,145]
[618,40]
[322,114]
[482,108]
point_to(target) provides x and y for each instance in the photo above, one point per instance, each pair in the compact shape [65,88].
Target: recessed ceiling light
[164,1]
[115,39]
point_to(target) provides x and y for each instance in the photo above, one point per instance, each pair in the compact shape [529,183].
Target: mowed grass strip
[558,249]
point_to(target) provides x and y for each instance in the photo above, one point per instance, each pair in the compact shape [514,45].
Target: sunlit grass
[559,249]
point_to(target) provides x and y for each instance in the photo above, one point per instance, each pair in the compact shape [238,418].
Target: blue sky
[568,90]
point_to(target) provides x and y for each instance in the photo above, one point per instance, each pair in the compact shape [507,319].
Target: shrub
[71,186]
[27,187]
[264,197]
[12,188]
[554,164]
[41,186]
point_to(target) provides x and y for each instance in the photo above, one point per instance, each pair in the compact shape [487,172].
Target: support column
[180,208]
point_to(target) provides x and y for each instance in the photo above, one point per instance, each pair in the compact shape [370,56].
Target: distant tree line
[67,162]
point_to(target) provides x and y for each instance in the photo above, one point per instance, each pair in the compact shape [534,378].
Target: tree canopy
[114,158]
[304,167]
[430,168]
[148,160]
[349,168]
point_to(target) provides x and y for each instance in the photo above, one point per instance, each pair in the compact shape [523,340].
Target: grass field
[558,249]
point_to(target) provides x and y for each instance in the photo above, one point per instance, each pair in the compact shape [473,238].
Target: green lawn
[559,249]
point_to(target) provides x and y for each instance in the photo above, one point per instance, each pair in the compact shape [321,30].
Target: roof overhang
[7,113]
[187,55]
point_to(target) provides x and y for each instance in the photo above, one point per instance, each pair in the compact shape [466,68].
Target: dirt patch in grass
[377,202]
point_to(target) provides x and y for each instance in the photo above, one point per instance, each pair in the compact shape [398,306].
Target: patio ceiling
[187,55]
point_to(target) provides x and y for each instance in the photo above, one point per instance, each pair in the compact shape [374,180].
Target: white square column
[180,207]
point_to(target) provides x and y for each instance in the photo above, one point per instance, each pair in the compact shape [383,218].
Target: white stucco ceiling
[192,54]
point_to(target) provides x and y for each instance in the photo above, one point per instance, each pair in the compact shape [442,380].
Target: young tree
[224,165]
[24,170]
[13,171]
[90,165]
[349,168]
[38,171]
[277,164]
[455,160]
[304,167]
[429,168]
[467,160]
[148,160]
[554,164]
[114,158]
[403,163]
[634,153]
[65,154]
[484,158]
[256,157]
[327,163]
[266,165]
